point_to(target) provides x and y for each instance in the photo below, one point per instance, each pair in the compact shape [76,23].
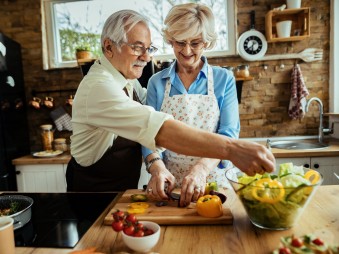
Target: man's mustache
[140,63]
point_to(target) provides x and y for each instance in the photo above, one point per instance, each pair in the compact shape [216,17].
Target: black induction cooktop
[59,220]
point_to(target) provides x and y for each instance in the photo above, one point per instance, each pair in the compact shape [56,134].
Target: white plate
[44,154]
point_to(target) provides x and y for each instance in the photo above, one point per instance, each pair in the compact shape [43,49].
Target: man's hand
[251,157]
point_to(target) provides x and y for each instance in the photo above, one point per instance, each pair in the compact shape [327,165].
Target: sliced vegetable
[136,210]
[212,186]
[313,176]
[143,205]
[139,198]
[269,195]
[209,206]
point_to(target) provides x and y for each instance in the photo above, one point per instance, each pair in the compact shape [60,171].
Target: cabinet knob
[316,165]
[306,165]
[17,172]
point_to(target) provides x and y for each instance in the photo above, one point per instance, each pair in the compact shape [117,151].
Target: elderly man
[110,122]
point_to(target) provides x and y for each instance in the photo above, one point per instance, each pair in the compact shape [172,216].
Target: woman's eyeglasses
[195,45]
[141,50]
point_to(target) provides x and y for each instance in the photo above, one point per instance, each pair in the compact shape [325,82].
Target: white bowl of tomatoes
[140,236]
[148,237]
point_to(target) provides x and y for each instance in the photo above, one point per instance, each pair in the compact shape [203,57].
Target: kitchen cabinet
[41,177]
[325,165]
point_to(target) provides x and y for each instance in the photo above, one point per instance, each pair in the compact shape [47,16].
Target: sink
[297,145]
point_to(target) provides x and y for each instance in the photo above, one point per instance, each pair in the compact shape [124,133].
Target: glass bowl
[270,205]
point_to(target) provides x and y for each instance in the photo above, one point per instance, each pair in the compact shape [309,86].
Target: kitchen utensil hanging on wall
[35,102]
[48,102]
[252,44]
[307,55]
[69,100]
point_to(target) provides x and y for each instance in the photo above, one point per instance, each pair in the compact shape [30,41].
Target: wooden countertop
[30,159]
[241,237]
[332,150]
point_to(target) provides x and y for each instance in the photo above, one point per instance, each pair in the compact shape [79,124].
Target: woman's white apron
[196,110]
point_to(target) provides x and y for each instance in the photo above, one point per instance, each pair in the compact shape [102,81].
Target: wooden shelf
[244,79]
[300,24]
[239,82]
[331,114]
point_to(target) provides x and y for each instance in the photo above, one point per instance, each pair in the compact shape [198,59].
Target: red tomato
[139,225]
[119,215]
[148,232]
[131,218]
[129,230]
[297,242]
[318,242]
[139,233]
[285,250]
[117,226]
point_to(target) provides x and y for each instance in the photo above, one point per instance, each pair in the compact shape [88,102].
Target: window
[68,24]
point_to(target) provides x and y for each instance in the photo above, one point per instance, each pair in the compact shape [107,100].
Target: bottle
[47,136]
[60,144]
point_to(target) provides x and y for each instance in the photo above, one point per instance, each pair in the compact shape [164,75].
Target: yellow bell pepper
[209,206]
[272,195]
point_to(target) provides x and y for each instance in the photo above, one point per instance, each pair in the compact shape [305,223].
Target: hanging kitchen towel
[61,119]
[299,92]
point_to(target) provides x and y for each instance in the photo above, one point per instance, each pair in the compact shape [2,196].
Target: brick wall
[263,108]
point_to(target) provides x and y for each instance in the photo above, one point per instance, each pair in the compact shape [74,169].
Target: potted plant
[83,52]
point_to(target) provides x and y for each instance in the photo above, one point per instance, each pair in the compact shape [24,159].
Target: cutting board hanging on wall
[170,214]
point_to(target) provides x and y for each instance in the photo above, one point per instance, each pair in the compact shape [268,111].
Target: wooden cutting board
[170,214]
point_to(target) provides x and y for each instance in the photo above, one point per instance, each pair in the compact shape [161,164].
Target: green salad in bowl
[275,200]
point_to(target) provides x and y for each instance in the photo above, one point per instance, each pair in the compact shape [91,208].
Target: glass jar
[230,68]
[60,144]
[242,71]
[47,136]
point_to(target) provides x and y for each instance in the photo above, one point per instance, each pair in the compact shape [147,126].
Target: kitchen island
[321,218]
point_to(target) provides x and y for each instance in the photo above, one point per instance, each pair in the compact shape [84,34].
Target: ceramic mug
[7,244]
[284,28]
[293,4]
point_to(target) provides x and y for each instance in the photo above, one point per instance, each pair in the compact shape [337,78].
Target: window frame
[52,59]
[334,59]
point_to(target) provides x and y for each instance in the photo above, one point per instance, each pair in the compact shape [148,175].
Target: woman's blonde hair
[190,20]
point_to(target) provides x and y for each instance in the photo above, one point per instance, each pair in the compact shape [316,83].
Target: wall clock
[252,45]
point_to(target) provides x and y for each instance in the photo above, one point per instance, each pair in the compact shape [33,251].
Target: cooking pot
[23,212]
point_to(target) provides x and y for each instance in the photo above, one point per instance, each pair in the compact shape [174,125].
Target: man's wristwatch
[150,162]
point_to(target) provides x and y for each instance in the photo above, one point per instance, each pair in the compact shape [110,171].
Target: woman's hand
[161,182]
[193,184]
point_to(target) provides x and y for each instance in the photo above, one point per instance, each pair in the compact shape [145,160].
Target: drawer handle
[306,165]
[316,165]
[18,172]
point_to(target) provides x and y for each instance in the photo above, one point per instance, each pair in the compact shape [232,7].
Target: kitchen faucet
[321,129]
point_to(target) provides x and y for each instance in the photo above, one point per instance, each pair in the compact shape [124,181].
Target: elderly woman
[195,93]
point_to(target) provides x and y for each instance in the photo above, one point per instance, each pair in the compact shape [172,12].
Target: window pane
[79,23]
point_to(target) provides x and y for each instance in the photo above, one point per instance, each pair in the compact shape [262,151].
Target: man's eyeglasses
[195,45]
[141,50]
